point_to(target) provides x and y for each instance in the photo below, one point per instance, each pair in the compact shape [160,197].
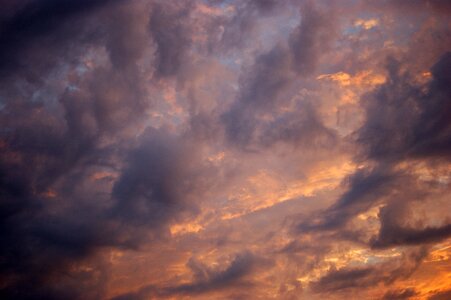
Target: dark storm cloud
[433,129]
[405,123]
[80,176]
[44,237]
[40,236]
[37,243]
[425,130]
[155,182]
[54,216]
[302,128]
[35,20]
[392,233]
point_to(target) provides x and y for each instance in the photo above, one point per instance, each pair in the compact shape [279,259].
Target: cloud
[44,237]
[259,92]
[205,279]
[311,38]
[400,294]
[417,6]
[425,129]
[35,21]
[366,188]
[208,280]
[145,191]
[269,84]
[392,233]
[161,149]
[170,35]
[406,129]
[440,295]
[389,142]
[365,276]
[55,216]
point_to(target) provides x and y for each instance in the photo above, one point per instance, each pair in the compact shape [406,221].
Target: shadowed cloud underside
[213,149]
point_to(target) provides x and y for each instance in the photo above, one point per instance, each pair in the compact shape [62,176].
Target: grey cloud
[425,129]
[423,133]
[171,36]
[365,189]
[246,126]
[35,21]
[311,38]
[205,279]
[259,92]
[302,128]
[156,180]
[400,294]
[441,295]
[54,215]
[209,280]
[416,6]
[237,30]
[43,239]
[365,276]
[127,37]
[393,233]
[63,119]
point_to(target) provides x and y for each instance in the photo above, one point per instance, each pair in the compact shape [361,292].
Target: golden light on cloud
[342,78]
[50,193]
[265,190]
[363,78]
[164,149]
[366,24]
[184,228]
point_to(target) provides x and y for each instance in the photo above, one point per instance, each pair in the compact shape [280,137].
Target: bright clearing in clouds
[213,149]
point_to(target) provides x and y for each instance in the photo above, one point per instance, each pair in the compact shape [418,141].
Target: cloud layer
[225,149]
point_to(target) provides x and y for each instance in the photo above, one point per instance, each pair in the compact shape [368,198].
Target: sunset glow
[225,149]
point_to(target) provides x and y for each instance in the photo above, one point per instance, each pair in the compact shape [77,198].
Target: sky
[225,149]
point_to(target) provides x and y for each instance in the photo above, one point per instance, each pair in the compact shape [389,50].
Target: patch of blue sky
[81,69]
[278,27]
[231,61]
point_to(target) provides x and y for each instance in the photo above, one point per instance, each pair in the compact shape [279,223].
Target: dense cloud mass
[213,149]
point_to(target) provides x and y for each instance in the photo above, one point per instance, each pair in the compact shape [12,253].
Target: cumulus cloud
[197,149]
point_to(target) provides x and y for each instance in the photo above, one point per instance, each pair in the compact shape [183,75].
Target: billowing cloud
[214,149]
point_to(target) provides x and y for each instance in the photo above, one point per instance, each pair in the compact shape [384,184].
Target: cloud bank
[216,149]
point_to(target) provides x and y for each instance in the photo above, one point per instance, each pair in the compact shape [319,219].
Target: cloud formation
[216,149]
